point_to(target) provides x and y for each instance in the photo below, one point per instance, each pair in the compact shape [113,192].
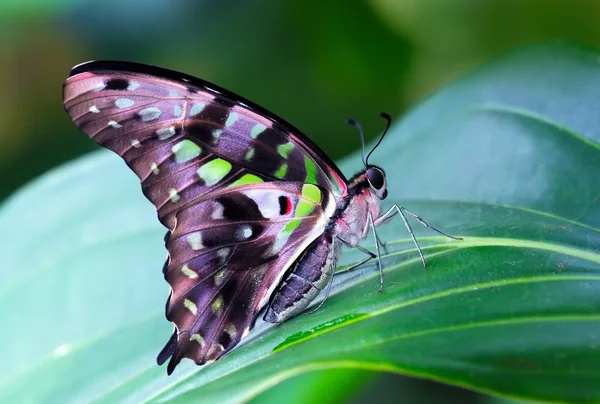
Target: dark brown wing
[228,252]
[167,129]
[242,192]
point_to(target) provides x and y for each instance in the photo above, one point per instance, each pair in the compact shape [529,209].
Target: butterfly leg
[358,264]
[371,225]
[383,245]
[395,209]
[350,268]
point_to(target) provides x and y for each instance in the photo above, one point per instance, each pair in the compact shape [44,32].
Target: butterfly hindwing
[242,192]
[224,264]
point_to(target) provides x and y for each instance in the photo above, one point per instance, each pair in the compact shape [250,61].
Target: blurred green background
[314,63]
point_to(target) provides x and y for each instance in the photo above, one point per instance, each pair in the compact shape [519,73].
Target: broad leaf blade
[511,158]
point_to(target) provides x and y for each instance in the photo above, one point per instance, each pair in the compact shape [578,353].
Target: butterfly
[256,213]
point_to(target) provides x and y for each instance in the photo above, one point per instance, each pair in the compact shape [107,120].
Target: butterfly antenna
[362,138]
[389,122]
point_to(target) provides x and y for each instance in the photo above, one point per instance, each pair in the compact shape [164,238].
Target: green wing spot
[186,150]
[257,130]
[304,208]
[214,171]
[247,179]
[188,304]
[219,276]
[291,226]
[311,171]
[285,149]
[282,171]
[198,338]
[187,271]
[217,305]
[312,193]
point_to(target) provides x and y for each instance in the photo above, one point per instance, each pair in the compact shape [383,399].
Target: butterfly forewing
[163,128]
[241,191]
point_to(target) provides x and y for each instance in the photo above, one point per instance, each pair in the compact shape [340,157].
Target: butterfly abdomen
[306,278]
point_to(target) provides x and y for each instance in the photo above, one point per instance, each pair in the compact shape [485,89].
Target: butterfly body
[256,213]
[309,275]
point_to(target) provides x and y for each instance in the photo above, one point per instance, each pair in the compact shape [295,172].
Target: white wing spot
[246,332]
[148,114]
[231,330]
[100,86]
[165,133]
[223,253]
[257,130]
[217,212]
[245,232]
[197,108]
[114,124]
[267,202]
[217,134]
[136,143]
[154,168]
[94,109]
[176,110]
[124,102]
[133,85]
[195,240]
[173,195]
[233,116]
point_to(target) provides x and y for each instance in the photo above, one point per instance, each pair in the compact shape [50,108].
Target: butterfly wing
[164,123]
[242,192]
[227,252]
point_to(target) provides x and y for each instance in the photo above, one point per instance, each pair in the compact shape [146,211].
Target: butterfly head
[375,178]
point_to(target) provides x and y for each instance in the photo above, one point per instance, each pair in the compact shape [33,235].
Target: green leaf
[507,157]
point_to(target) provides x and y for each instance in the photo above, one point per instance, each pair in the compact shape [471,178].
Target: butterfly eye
[376,178]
